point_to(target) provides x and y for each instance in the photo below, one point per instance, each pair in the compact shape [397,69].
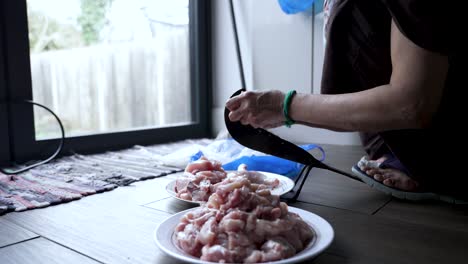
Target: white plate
[170,188]
[285,185]
[324,234]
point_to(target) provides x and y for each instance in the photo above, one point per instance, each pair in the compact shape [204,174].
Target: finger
[389,182]
[253,120]
[261,118]
[235,116]
[256,121]
[378,177]
[244,121]
[236,101]
[233,103]
[388,174]
[240,113]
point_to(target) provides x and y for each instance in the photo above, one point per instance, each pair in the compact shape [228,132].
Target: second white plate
[285,185]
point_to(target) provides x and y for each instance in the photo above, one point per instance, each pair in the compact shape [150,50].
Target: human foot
[388,176]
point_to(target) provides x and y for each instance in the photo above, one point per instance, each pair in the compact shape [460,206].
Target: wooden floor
[117,227]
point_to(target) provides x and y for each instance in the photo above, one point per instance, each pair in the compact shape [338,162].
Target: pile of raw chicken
[202,177]
[241,222]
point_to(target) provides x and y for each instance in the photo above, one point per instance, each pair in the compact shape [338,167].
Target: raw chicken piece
[275,249]
[203,164]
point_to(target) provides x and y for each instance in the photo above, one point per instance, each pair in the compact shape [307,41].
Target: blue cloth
[318,6]
[271,163]
[231,154]
[295,6]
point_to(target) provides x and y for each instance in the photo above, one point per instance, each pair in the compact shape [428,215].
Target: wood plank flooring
[41,250]
[12,233]
[118,226]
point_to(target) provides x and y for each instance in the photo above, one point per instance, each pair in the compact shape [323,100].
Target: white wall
[226,78]
[279,51]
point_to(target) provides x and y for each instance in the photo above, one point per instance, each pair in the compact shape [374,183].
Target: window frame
[18,82]
[4,133]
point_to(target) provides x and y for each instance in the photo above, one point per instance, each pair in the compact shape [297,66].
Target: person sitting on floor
[392,72]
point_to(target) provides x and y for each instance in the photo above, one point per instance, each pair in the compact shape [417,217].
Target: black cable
[56,153]
[239,54]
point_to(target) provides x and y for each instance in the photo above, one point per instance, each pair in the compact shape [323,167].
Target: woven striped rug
[73,177]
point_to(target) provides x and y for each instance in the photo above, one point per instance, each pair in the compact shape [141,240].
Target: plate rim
[320,239]
[172,182]
[172,193]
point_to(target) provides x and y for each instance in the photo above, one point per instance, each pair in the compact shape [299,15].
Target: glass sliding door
[117,72]
[109,65]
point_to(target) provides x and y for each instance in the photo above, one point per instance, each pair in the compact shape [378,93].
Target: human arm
[409,100]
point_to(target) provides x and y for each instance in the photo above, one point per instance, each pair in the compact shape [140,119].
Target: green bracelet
[287,103]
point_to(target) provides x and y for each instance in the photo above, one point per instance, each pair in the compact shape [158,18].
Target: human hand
[260,109]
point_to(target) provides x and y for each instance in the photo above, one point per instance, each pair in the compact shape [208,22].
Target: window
[117,72]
